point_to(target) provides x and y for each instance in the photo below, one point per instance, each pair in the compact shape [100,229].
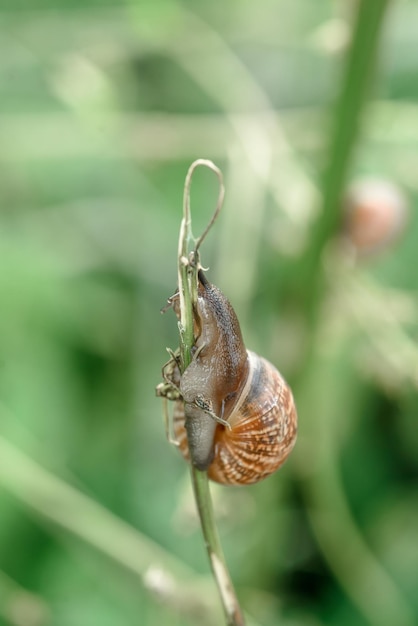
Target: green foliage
[103,106]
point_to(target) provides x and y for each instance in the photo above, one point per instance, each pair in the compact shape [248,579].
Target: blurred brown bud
[375,215]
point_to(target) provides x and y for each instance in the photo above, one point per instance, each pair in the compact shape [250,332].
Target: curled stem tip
[186,200]
[188,259]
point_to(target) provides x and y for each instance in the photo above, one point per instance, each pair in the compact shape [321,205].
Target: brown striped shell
[263,430]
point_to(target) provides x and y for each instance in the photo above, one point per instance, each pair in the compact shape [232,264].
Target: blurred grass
[102,108]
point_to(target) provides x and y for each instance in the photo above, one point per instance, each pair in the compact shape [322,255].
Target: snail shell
[263,428]
[375,215]
[237,418]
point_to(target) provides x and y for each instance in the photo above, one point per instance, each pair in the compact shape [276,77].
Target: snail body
[216,374]
[236,417]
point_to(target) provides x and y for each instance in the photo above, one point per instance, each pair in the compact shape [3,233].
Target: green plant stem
[319,389]
[360,63]
[231,607]
[72,510]
[188,266]
[186,320]
[181,589]
[12,594]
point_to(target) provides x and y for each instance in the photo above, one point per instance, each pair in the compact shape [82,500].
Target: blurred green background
[103,106]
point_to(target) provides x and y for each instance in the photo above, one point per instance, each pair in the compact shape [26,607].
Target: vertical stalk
[230,604]
[356,82]
[319,396]
[188,265]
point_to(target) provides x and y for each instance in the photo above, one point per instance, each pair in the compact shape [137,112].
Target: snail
[375,215]
[234,414]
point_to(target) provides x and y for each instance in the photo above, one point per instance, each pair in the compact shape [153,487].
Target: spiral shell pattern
[263,428]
